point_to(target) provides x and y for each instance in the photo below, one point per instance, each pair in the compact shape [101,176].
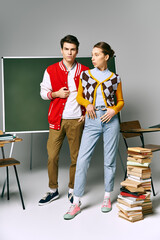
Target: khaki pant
[73,130]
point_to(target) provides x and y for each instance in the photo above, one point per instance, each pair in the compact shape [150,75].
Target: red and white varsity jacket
[58,78]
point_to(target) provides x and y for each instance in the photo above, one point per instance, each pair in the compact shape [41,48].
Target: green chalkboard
[23,108]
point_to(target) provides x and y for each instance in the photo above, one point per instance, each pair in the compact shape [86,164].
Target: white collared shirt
[100,76]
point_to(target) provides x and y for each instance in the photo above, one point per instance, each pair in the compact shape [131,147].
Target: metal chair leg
[7,170]
[125,176]
[4,185]
[121,160]
[152,187]
[7,179]
[20,192]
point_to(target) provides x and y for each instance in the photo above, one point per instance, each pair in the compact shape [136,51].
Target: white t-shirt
[72,109]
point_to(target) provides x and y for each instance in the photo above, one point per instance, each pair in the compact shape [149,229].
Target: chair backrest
[125,126]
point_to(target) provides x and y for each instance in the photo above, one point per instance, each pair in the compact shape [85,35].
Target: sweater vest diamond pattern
[109,87]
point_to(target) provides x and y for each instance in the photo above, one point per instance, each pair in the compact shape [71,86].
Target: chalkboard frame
[5,97]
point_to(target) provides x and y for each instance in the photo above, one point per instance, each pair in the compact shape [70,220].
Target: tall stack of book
[134,198]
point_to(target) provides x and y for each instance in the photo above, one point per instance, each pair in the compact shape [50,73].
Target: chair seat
[153,147]
[8,162]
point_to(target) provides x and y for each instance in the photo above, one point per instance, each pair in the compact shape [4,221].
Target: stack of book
[134,198]
[6,137]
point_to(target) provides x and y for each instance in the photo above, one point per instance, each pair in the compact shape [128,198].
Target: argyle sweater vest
[108,87]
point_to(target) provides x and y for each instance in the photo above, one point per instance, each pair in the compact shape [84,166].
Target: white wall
[34,28]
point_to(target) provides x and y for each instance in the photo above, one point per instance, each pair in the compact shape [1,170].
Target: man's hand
[62,93]
[90,111]
[81,119]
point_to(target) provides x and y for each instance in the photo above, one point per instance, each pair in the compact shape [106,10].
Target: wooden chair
[126,129]
[131,125]
[7,162]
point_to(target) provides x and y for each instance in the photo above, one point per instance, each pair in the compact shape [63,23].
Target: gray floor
[47,222]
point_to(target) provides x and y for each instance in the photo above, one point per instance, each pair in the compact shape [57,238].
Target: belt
[103,108]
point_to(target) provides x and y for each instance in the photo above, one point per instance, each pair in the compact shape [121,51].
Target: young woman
[97,90]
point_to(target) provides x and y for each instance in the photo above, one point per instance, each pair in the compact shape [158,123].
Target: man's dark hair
[69,39]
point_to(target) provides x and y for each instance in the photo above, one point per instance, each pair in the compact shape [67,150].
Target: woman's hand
[81,119]
[90,111]
[108,115]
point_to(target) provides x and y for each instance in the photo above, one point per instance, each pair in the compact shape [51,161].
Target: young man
[65,115]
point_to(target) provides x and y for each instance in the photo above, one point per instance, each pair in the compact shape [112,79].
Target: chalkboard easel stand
[31,149]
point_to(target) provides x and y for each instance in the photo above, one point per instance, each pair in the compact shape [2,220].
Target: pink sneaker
[106,206]
[72,212]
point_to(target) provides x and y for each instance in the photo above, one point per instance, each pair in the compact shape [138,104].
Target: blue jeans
[91,133]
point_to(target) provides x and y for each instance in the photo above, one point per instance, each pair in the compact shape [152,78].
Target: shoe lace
[46,195]
[71,208]
[105,201]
